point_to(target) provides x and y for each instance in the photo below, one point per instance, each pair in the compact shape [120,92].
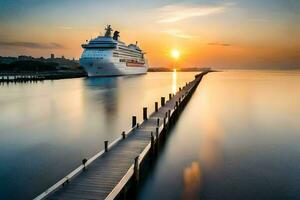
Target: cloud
[176,12]
[219,44]
[65,27]
[33,45]
[179,33]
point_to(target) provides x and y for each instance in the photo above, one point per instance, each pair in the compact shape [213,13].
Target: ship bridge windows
[95,53]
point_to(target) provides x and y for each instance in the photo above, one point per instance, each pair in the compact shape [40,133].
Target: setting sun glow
[196,33]
[175,54]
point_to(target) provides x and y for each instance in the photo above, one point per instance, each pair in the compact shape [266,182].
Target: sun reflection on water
[174,81]
[192,176]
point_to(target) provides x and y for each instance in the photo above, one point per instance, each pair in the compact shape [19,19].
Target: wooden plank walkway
[108,172]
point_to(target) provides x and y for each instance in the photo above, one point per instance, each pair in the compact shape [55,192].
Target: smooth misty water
[238,138]
[46,129]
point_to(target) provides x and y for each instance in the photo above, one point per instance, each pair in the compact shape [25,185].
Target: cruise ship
[108,56]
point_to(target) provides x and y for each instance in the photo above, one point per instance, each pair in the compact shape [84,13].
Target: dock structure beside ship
[114,171]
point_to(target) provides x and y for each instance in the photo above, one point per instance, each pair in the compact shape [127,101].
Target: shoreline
[13,77]
[39,76]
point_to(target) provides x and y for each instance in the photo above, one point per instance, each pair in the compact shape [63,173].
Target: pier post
[123,135]
[152,138]
[156,106]
[106,145]
[145,117]
[157,122]
[169,114]
[170,96]
[157,139]
[136,169]
[152,144]
[162,101]
[133,121]
[84,162]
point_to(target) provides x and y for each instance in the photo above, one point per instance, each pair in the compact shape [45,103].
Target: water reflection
[192,178]
[210,151]
[47,128]
[101,83]
[107,89]
[238,138]
[174,81]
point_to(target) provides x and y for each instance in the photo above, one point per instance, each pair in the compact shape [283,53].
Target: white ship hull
[108,56]
[100,67]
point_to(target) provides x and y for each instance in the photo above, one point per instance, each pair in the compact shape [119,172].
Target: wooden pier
[21,79]
[108,174]
[8,78]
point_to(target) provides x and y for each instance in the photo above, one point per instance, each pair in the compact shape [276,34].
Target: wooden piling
[83,162]
[123,135]
[106,145]
[170,96]
[152,144]
[157,122]
[156,106]
[152,138]
[156,139]
[133,121]
[162,101]
[136,169]
[145,116]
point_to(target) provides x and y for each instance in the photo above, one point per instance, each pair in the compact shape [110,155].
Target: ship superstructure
[108,56]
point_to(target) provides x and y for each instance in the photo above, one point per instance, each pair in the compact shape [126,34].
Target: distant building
[23,57]
[52,56]
[7,60]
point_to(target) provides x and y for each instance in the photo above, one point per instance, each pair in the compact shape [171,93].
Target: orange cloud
[176,12]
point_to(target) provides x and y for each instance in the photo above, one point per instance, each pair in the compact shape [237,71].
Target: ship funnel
[116,35]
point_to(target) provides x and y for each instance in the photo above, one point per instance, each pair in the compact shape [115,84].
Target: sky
[259,34]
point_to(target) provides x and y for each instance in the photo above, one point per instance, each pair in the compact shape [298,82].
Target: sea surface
[47,128]
[238,138]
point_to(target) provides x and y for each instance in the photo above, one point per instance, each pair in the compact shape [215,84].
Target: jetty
[111,172]
[6,78]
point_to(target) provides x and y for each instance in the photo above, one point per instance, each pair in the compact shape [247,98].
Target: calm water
[238,138]
[46,129]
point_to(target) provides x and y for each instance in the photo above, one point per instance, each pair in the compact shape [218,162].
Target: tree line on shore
[28,66]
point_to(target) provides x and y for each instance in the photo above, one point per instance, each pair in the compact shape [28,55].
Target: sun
[175,53]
